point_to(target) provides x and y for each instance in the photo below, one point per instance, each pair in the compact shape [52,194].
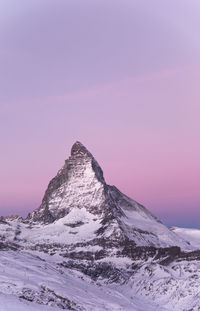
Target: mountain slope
[41,284]
[80,194]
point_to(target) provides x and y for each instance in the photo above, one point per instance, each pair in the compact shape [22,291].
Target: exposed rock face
[79,188]
[80,183]
[11,218]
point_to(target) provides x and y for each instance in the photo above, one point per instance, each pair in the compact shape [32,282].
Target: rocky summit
[80,195]
[90,247]
[79,184]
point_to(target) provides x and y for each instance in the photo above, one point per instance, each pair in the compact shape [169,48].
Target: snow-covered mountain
[90,247]
[79,198]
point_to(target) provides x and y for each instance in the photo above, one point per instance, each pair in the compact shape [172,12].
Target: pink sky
[121,76]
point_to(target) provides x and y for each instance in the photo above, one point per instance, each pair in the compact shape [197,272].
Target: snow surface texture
[90,247]
[35,280]
[190,235]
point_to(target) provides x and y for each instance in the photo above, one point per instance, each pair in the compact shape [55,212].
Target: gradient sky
[121,76]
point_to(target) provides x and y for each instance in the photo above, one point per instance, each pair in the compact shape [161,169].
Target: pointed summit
[99,212]
[79,149]
[79,183]
[81,153]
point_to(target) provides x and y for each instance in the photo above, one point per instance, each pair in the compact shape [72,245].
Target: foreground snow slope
[40,283]
[8,302]
[37,281]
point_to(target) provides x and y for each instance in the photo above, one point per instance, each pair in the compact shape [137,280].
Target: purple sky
[121,76]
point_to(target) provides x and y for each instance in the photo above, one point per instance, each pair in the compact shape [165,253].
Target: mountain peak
[80,152]
[78,184]
[79,149]
[80,195]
